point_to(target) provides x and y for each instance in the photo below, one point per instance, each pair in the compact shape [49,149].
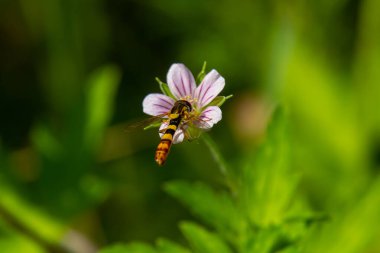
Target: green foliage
[353,229]
[71,188]
[261,214]
[29,216]
[101,91]
[70,176]
[265,212]
[223,214]
[163,246]
[72,152]
[13,241]
[166,246]
[203,241]
[130,248]
[268,180]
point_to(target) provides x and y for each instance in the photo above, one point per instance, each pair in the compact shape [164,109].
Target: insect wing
[196,128]
[154,121]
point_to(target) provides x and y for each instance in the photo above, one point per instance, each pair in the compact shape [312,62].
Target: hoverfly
[180,115]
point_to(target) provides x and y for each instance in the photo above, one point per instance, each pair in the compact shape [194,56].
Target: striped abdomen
[180,109]
[163,147]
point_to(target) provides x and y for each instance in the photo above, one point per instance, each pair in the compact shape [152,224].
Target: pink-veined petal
[211,86]
[210,116]
[179,135]
[180,80]
[156,104]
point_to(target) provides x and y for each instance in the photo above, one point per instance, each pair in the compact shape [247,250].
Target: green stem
[215,154]
[223,167]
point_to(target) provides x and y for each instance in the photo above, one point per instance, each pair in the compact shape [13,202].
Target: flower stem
[218,159]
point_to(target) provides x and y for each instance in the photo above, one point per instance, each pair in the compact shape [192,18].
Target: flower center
[191,100]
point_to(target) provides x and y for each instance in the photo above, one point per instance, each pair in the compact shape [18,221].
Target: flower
[203,99]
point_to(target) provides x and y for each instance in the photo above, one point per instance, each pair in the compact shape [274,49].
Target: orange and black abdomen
[178,112]
[163,147]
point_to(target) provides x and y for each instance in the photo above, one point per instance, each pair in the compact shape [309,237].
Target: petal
[180,80]
[210,116]
[178,135]
[211,86]
[157,104]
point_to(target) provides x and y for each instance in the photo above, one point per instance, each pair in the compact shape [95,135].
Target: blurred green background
[73,74]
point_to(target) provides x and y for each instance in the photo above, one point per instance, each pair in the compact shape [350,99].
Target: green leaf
[268,182]
[135,247]
[165,88]
[29,216]
[203,241]
[354,229]
[330,129]
[272,239]
[102,87]
[207,204]
[219,100]
[13,241]
[202,74]
[290,250]
[167,246]
[45,142]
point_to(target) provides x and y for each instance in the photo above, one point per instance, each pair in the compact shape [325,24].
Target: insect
[180,112]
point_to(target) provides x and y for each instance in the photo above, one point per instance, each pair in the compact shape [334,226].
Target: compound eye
[189,107]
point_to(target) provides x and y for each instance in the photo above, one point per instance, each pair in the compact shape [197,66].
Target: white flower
[182,86]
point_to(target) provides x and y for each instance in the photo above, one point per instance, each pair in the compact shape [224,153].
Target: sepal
[165,88]
[219,101]
[202,74]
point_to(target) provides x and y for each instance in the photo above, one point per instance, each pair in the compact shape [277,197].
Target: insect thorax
[181,106]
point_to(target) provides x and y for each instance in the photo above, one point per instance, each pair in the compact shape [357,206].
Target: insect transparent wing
[203,123]
[146,123]
[195,128]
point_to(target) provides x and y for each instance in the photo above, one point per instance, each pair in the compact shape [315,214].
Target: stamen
[190,99]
